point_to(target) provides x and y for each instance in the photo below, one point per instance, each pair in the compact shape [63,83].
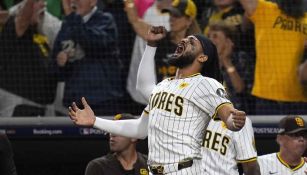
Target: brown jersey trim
[247,160]
[287,165]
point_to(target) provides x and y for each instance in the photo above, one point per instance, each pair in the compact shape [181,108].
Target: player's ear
[278,139]
[202,58]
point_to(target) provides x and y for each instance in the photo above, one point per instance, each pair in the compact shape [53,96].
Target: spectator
[126,36]
[229,11]
[154,17]
[123,159]
[232,13]
[279,50]
[292,139]
[86,51]
[7,165]
[47,24]
[25,79]
[237,66]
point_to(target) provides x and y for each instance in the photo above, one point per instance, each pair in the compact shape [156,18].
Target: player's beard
[293,8]
[182,61]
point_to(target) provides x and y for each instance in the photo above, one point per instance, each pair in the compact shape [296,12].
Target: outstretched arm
[134,128]
[139,25]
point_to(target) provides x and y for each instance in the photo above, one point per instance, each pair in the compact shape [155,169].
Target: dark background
[69,156]
[59,156]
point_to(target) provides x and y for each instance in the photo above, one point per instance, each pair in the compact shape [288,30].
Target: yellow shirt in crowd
[279,50]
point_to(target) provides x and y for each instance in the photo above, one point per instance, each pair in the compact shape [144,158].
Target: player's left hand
[238,119]
[82,117]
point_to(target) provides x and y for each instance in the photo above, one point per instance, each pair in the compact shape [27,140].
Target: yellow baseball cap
[182,7]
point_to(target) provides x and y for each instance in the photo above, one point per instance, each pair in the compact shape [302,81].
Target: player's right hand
[155,34]
[238,119]
[82,117]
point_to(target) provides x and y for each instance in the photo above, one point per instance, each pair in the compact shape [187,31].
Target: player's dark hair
[292,8]
[211,66]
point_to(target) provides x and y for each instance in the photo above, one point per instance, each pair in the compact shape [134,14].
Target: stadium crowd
[61,43]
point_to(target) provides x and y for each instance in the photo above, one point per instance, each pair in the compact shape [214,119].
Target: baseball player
[224,147]
[292,139]
[179,109]
[220,145]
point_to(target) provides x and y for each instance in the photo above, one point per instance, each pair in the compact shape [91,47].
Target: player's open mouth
[180,49]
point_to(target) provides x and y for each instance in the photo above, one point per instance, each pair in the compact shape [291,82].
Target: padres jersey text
[179,112]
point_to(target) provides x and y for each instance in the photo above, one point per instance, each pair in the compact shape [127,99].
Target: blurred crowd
[53,52]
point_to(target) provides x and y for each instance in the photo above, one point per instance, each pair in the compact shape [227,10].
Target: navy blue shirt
[93,73]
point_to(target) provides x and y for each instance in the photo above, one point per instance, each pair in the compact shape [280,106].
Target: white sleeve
[134,128]
[146,77]
[245,143]
[210,95]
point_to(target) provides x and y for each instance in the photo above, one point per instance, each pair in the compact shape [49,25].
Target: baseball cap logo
[299,121]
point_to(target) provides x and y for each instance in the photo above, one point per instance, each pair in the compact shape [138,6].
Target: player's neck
[186,72]
[127,158]
[289,159]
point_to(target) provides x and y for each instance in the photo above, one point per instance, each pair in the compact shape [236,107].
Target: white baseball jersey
[179,112]
[272,164]
[223,149]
